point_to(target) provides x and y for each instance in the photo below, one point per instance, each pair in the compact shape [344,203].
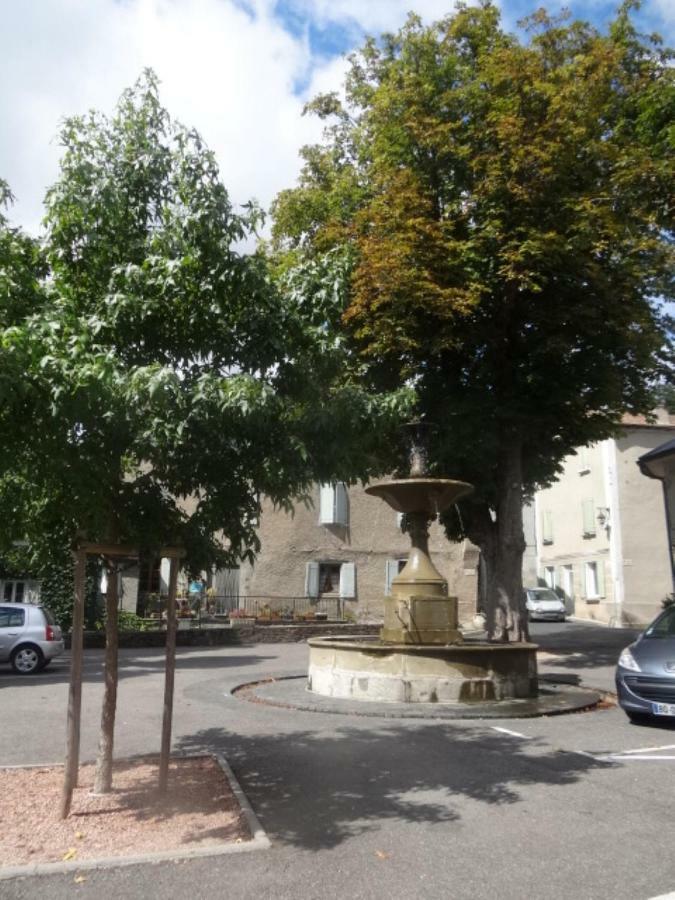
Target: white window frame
[591,580]
[550,577]
[12,584]
[567,581]
[333,504]
[547,527]
[347,579]
[588,522]
[392,567]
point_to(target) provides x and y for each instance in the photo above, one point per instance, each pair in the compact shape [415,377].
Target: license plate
[663,709]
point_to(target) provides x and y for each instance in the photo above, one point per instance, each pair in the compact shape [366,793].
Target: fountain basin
[411,495]
[471,672]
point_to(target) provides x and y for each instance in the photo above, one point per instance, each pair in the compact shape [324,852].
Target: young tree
[506,207]
[154,382]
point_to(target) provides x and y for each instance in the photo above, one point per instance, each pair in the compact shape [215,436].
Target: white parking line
[512,733]
[650,749]
[618,757]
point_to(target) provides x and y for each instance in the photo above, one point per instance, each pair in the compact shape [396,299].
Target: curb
[259,841]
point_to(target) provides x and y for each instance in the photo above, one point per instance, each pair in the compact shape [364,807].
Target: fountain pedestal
[419,610]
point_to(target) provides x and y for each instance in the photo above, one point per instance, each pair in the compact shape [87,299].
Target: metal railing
[204,611]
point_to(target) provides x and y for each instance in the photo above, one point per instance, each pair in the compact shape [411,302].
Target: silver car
[544,603]
[29,637]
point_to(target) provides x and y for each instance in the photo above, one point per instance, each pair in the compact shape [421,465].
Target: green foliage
[506,208]
[126,621]
[510,226]
[155,382]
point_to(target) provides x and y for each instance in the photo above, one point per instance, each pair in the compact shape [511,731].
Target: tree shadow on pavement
[586,647]
[314,789]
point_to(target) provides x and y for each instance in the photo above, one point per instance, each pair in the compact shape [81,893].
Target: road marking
[650,749]
[586,754]
[512,733]
[632,758]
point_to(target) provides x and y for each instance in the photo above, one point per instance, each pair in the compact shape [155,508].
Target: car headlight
[627,661]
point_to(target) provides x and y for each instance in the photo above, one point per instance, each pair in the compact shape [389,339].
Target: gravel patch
[199,810]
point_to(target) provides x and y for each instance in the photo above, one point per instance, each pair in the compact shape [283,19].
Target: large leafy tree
[506,212]
[154,382]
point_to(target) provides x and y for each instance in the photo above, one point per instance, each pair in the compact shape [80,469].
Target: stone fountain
[421,656]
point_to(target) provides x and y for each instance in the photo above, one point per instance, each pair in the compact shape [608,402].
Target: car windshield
[664,626]
[545,594]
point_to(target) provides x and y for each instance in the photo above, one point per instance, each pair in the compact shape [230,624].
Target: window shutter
[348,581]
[326,504]
[312,579]
[391,571]
[341,504]
[588,514]
[164,572]
[600,569]
[547,527]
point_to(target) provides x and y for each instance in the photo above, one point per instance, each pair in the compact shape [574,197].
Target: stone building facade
[601,531]
[342,551]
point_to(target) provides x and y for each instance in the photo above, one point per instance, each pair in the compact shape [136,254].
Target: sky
[239,71]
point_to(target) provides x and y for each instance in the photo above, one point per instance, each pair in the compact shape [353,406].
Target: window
[567,573]
[549,577]
[11,618]
[594,580]
[335,578]
[329,578]
[13,591]
[547,527]
[392,569]
[333,504]
[588,518]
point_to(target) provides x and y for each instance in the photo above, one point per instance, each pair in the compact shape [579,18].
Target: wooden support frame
[74,715]
[169,677]
[72,762]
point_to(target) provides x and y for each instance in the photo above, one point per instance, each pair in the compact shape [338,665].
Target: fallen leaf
[71,854]
[380,854]
[78,879]
[79,835]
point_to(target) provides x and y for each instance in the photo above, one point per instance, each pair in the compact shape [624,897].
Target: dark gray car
[645,675]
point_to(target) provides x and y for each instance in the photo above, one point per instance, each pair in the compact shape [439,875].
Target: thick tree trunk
[104,762]
[502,543]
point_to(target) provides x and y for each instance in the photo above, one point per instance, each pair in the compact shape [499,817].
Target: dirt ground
[199,809]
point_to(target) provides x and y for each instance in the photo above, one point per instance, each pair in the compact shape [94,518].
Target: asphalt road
[577,806]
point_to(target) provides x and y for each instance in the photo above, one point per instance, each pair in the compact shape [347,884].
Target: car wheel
[27,660]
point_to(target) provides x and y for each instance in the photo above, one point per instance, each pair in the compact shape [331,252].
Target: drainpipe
[615,543]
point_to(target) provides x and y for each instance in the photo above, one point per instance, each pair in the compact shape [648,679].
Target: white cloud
[230,73]
[374,16]
[227,74]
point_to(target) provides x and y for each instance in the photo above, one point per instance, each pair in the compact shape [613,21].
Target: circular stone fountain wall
[363,669]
